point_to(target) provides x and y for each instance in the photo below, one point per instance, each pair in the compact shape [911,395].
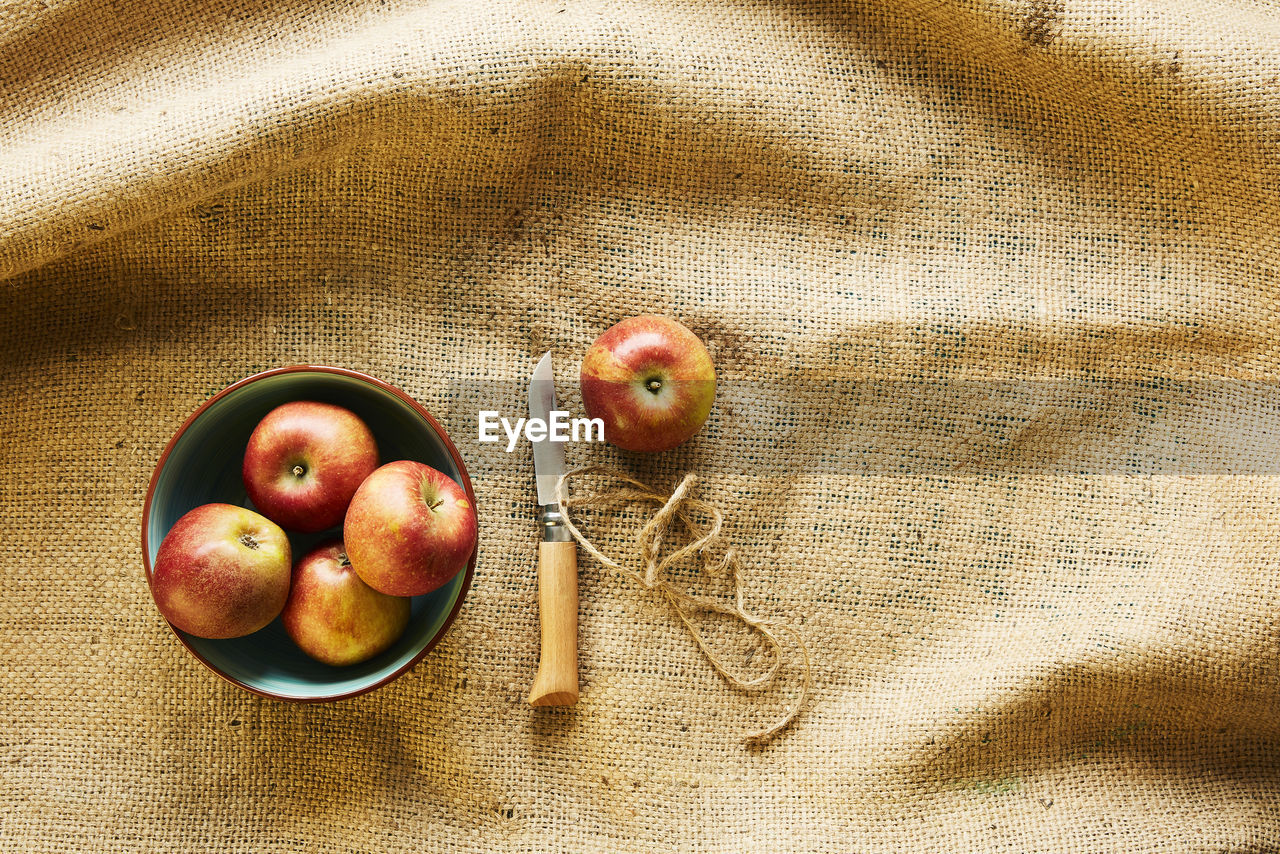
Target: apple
[409,529]
[304,461]
[221,572]
[650,380]
[336,618]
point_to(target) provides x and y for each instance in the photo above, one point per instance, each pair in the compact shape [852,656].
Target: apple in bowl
[650,380]
[304,461]
[222,572]
[409,529]
[336,618]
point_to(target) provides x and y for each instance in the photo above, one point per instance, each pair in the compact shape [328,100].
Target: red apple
[221,572]
[304,462]
[334,616]
[409,529]
[651,381]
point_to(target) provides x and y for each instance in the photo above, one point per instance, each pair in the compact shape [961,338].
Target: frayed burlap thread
[676,517]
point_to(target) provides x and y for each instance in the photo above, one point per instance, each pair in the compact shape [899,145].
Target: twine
[706,541]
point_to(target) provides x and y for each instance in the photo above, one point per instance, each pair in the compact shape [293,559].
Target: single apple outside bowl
[202,464]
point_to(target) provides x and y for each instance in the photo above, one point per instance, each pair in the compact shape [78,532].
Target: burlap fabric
[992,291]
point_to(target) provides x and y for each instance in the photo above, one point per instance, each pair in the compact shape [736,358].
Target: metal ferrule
[553,527]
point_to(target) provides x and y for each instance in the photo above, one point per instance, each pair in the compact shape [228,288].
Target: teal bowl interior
[202,465]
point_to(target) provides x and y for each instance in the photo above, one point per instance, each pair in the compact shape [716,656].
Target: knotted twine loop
[706,542]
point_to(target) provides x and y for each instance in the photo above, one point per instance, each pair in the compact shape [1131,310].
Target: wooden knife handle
[556,683]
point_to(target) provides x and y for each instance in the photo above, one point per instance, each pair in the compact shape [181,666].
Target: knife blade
[548,456]
[556,680]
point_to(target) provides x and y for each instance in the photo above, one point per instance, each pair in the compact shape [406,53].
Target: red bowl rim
[374,381]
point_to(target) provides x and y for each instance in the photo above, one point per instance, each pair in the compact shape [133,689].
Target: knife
[556,682]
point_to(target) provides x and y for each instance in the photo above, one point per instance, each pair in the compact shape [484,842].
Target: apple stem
[653,385]
[299,471]
[430,494]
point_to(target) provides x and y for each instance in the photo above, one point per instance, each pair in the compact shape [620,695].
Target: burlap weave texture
[991,287]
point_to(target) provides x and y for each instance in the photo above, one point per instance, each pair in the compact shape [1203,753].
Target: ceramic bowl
[202,464]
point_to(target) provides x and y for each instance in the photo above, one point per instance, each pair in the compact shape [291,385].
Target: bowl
[201,464]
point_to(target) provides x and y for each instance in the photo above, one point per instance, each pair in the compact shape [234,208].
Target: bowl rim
[371,380]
